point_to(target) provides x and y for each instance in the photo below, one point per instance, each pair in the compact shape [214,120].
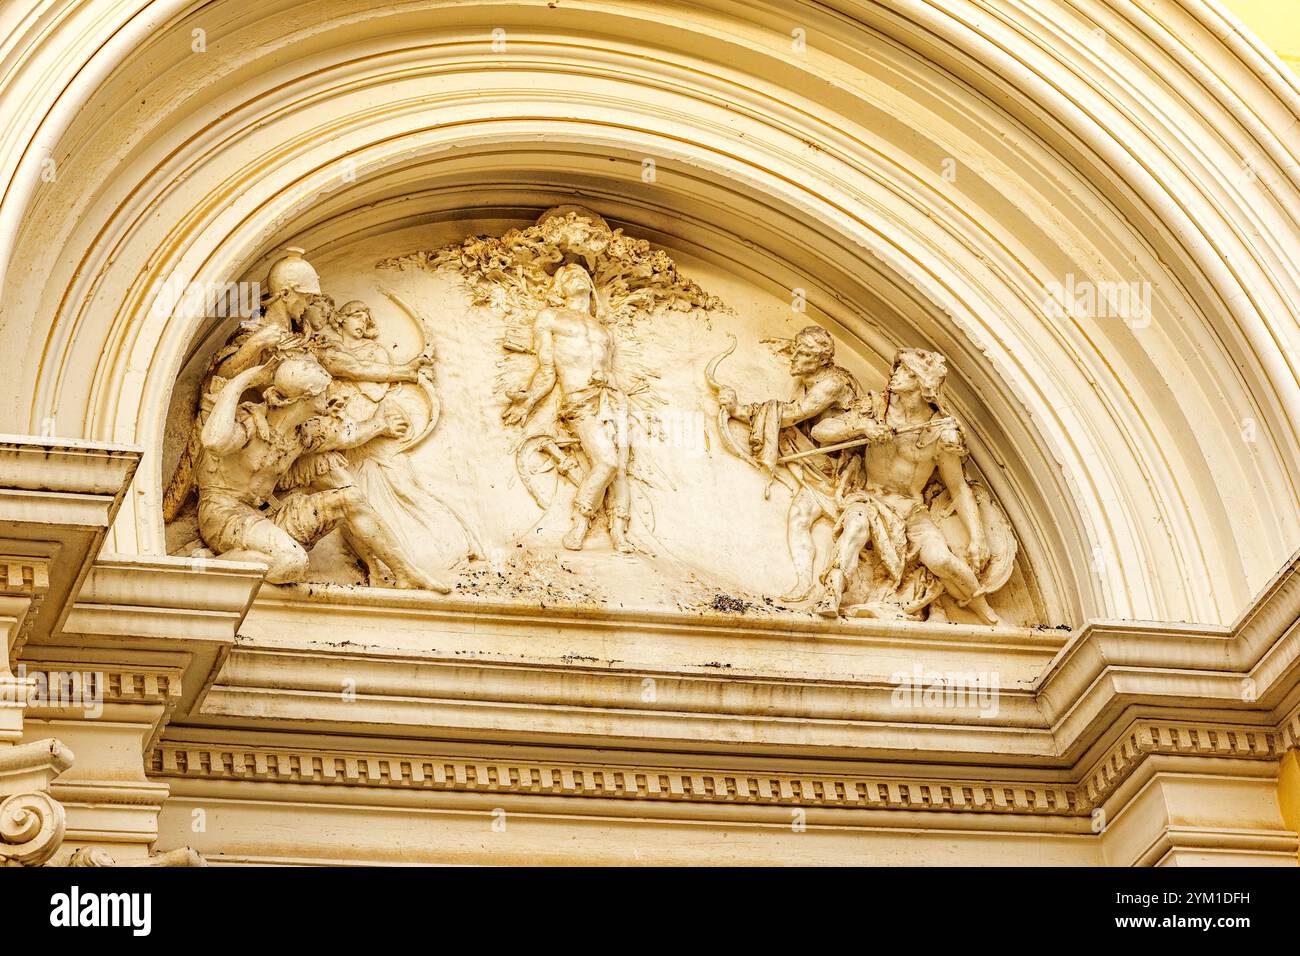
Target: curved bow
[788,473]
[724,416]
[424,380]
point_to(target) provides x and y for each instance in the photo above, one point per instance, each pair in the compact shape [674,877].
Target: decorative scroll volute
[32,826]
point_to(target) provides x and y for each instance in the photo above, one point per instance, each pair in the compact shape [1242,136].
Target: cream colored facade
[968,178]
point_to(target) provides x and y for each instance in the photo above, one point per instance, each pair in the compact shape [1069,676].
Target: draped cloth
[765,436]
[430,535]
[888,516]
[600,398]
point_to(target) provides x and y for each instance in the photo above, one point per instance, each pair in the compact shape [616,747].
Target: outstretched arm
[821,396]
[332,434]
[954,479]
[222,432]
[851,425]
[543,379]
[342,364]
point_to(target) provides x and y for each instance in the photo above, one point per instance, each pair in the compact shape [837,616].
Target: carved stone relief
[887,469]
[539,416]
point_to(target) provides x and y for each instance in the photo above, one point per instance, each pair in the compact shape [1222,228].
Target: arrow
[859,442]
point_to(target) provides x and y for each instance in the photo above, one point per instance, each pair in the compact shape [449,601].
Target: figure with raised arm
[246,449]
[909,440]
[823,389]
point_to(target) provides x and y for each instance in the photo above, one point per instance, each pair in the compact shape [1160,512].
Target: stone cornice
[1035,641]
[1144,738]
[23,576]
[814,687]
[118,691]
[69,466]
[567,779]
[118,684]
[150,621]
[891,788]
[1251,666]
[58,498]
[23,587]
[180,618]
[158,596]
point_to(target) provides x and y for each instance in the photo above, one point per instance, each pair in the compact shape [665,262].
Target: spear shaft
[859,442]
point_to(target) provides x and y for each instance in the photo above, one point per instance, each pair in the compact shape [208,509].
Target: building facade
[597,432]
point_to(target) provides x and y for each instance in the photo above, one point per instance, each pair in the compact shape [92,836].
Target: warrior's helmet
[293,273]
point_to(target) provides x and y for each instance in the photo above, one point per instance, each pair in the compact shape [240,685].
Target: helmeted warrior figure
[292,287]
[246,449]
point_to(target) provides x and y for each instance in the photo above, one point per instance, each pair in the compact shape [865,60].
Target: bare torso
[904,466]
[582,349]
[250,474]
[828,392]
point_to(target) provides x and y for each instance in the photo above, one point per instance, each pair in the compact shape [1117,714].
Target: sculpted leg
[366,553]
[619,502]
[591,492]
[957,577]
[578,528]
[979,605]
[804,512]
[335,479]
[855,533]
[285,558]
[368,529]
[620,514]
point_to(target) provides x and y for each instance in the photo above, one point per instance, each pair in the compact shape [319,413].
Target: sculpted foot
[577,533]
[828,606]
[938,613]
[980,607]
[802,588]
[418,580]
[618,534]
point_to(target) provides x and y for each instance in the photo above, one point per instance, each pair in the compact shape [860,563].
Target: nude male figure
[825,390]
[576,350]
[247,449]
[899,467]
